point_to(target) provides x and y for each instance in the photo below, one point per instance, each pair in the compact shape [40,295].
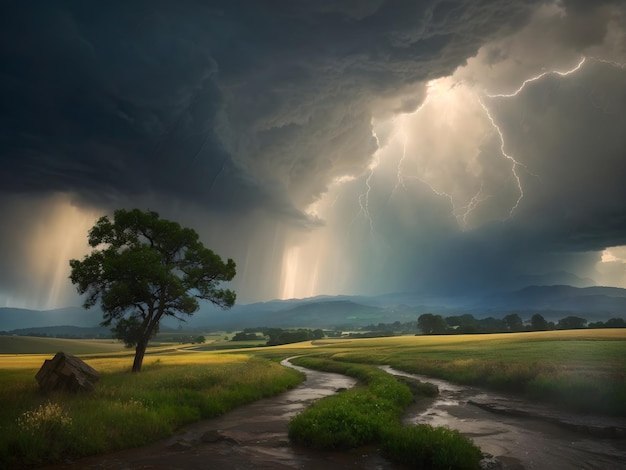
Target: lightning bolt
[539,77]
[364,199]
[515,163]
[461,213]
[399,173]
[473,204]
[615,64]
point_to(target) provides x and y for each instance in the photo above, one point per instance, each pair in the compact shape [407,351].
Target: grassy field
[580,369]
[41,345]
[126,410]
[37,345]
[583,370]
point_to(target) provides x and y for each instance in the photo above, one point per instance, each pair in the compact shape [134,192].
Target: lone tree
[143,268]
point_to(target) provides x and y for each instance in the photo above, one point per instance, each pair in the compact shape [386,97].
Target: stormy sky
[449,147]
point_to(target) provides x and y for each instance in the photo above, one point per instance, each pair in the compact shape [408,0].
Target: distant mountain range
[345,312]
[15,318]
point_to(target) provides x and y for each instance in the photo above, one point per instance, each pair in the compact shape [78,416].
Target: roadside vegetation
[370,414]
[125,410]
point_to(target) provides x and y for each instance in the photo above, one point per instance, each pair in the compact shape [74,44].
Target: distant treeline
[431,324]
[276,336]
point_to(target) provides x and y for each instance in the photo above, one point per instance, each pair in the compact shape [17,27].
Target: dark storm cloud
[571,135]
[96,102]
[221,113]
[568,134]
[233,105]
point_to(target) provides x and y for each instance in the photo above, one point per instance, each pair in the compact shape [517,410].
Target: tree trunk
[140,350]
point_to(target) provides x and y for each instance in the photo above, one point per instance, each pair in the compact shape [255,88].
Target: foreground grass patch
[126,409]
[370,414]
[354,417]
[426,447]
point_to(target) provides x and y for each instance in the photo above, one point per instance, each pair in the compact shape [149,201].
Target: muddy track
[253,436]
[520,435]
[523,435]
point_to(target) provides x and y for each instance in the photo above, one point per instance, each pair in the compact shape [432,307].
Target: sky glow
[450,148]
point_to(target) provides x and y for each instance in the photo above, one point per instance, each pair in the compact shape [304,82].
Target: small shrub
[40,432]
[339,422]
[46,421]
[426,447]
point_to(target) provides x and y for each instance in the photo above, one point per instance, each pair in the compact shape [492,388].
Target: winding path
[252,436]
[523,435]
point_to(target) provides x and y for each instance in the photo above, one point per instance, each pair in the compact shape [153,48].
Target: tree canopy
[538,323]
[514,322]
[144,268]
[571,323]
[431,324]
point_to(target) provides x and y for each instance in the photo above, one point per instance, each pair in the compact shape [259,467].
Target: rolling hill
[554,302]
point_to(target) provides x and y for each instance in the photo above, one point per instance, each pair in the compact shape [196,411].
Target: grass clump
[344,421]
[39,429]
[127,410]
[426,447]
[370,414]
[418,388]
[354,417]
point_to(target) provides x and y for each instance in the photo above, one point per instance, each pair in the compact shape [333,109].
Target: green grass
[126,409]
[37,345]
[225,345]
[425,447]
[370,414]
[354,417]
[583,370]
[41,345]
[580,369]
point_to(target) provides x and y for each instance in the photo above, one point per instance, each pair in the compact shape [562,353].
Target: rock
[66,372]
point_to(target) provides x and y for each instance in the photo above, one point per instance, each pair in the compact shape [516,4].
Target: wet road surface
[521,442]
